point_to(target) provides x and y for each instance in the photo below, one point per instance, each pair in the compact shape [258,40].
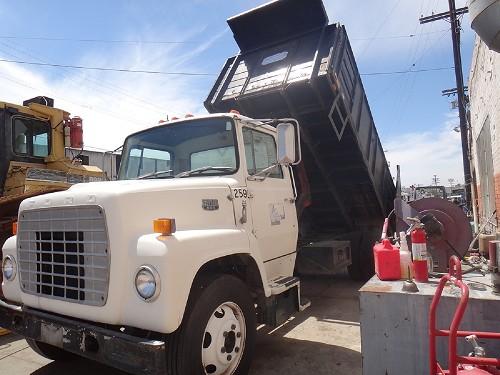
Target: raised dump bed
[293,64]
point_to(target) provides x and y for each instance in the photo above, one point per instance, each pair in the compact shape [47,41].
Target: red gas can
[387,261]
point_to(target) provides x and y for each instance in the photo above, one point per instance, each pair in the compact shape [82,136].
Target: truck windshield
[203,147]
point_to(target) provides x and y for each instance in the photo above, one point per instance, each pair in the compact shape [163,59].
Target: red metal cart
[458,365]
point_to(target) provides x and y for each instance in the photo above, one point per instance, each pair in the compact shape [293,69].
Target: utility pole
[435,180]
[452,14]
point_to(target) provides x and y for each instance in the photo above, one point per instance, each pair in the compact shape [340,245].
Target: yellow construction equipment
[33,139]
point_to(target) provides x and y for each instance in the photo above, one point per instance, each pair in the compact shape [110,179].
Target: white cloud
[422,155]
[112,105]
[381,18]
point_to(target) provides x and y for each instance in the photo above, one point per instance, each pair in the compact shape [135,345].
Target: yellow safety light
[14,228]
[164,226]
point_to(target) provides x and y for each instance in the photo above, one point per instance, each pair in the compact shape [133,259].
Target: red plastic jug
[387,260]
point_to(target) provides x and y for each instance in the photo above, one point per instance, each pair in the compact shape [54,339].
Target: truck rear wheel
[363,265]
[218,333]
[49,351]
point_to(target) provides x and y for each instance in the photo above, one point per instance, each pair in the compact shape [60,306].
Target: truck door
[273,212]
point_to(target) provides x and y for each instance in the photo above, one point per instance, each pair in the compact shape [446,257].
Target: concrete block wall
[484,93]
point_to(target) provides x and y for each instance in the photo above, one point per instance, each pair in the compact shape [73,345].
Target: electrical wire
[106,69]
[382,24]
[100,84]
[84,40]
[106,112]
[121,41]
[407,71]
[191,73]
[396,36]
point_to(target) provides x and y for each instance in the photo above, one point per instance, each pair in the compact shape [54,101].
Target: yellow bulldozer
[33,160]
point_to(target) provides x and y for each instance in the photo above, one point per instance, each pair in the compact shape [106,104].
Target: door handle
[243,218]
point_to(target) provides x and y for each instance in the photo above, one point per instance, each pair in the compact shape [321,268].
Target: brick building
[484,92]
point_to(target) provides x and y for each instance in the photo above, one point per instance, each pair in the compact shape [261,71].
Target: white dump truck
[170,269]
[222,207]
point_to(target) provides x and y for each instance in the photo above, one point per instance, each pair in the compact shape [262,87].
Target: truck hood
[135,203]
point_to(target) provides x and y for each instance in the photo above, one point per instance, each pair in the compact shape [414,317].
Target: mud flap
[284,302]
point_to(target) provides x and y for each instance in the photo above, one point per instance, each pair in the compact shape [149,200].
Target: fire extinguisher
[419,252]
[73,132]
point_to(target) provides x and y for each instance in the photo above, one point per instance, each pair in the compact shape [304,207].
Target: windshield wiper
[156,174]
[203,169]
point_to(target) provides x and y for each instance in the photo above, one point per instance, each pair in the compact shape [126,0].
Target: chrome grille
[63,254]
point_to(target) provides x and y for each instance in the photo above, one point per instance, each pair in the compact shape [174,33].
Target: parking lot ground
[324,339]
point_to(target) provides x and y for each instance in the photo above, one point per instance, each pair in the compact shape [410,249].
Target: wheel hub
[224,340]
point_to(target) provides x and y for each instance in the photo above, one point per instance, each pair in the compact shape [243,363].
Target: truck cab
[235,150]
[195,243]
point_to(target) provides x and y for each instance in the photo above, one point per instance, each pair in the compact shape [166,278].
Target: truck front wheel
[218,333]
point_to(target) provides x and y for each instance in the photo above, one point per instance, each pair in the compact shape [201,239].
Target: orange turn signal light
[164,226]
[14,228]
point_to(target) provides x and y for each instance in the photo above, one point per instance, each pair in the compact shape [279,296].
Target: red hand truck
[473,365]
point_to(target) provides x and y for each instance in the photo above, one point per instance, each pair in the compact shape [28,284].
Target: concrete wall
[484,92]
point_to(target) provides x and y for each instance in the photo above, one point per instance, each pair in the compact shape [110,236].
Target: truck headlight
[147,283]
[9,268]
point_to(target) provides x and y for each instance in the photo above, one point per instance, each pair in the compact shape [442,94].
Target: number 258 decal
[240,193]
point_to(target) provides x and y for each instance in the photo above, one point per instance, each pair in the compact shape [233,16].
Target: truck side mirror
[288,144]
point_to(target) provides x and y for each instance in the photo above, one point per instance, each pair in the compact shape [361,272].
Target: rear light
[14,228]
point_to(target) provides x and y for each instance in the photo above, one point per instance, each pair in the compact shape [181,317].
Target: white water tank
[485,20]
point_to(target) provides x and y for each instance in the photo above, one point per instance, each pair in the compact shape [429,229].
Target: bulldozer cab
[33,137]
[25,140]
[32,150]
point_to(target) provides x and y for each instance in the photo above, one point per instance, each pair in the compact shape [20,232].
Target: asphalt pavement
[324,339]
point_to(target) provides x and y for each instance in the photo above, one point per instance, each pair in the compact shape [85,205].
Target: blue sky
[414,121]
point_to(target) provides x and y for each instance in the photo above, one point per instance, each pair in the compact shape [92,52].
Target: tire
[363,264]
[50,352]
[217,335]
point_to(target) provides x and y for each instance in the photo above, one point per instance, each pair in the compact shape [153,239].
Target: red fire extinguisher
[73,133]
[419,252]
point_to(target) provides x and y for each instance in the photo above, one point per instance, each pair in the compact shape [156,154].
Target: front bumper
[128,353]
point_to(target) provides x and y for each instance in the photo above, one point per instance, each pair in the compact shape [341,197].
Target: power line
[122,41]
[100,84]
[375,35]
[189,73]
[407,71]
[55,39]
[398,36]
[106,69]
